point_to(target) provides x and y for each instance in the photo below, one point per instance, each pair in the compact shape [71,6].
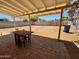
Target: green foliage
[64,18]
[34,19]
[25,20]
[4,19]
[42,20]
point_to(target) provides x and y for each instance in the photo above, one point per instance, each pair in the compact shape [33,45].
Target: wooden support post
[60,25]
[29,29]
[29,23]
[14,22]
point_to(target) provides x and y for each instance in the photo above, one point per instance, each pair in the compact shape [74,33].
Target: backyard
[44,44]
[39,29]
[47,31]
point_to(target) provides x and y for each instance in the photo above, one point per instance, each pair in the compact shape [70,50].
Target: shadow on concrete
[40,48]
[73,50]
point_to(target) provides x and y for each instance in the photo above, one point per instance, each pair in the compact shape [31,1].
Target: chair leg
[29,39]
[15,38]
[24,40]
[19,41]
[24,43]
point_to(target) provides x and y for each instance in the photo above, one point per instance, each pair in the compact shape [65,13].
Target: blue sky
[47,17]
[2,15]
[54,16]
[10,18]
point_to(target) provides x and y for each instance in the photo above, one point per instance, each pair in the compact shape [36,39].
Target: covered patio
[28,9]
[44,45]
[41,47]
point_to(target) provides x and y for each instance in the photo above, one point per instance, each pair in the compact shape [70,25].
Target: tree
[34,19]
[4,19]
[42,20]
[74,11]
[64,18]
[25,20]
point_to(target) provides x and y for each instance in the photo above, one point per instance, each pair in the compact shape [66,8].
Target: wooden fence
[4,24]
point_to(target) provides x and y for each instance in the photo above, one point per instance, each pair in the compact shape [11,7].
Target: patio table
[22,35]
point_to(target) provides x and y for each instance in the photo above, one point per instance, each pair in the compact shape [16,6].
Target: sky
[54,16]
[47,17]
[10,18]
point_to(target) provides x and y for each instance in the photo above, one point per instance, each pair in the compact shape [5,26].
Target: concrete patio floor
[44,44]
[40,48]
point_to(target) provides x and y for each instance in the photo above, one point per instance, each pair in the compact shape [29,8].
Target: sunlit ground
[46,31]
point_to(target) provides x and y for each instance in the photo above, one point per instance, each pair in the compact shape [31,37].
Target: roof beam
[12,6]
[47,10]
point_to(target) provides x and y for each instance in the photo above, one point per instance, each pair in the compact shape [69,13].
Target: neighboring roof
[32,7]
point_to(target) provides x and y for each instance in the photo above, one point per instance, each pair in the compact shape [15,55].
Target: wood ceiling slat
[60,2]
[19,4]
[44,4]
[9,12]
[33,5]
[27,4]
[8,6]
[29,7]
[48,4]
[14,7]
[38,3]
[9,9]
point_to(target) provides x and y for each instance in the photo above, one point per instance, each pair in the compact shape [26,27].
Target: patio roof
[32,7]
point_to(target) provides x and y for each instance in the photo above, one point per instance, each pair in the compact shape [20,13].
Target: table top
[22,32]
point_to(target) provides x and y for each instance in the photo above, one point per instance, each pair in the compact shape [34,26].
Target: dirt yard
[46,31]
